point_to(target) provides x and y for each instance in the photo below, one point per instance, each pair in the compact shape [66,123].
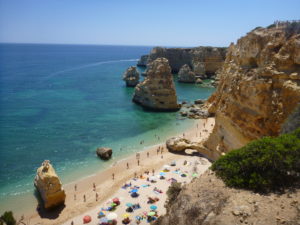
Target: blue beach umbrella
[153,207]
[162,174]
[129,204]
[103,220]
[134,190]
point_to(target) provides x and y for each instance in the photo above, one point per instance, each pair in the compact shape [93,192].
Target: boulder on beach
[131,76]
[179,144]
[49,186]
[104,153]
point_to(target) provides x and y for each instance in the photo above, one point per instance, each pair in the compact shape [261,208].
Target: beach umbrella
[183,175]
[129,204]
[151,213]
[166,167]
[103,220]
[87,219]
[134,194]
[195,175]
[112,216]
[173,163]
[162,174]
[153,207]
[101,213]
[113,204]
[126,215]
[153,178]
[116,200]
[134,190]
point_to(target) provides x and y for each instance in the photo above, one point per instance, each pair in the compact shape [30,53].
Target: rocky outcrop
[259,86]
[143,61]
[185,75]
[207,201]
[157,92]
[104,153]
[195,111]
[49,186]
[131,76]
[204,61]
[179,144]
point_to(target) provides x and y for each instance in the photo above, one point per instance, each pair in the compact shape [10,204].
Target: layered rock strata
[204,61]
[157,91]
[131,76]
[49,186]
[259,86]
[186,75]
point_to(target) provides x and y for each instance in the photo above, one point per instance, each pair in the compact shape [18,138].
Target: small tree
[262,165]
[8,218]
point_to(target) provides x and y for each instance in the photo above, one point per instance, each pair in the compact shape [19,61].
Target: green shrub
[263,165]
[173,192]
[8,218]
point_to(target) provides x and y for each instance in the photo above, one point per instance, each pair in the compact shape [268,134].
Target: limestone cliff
[259,86]
[157,91]
[204,61]
[49,186]
[131,76]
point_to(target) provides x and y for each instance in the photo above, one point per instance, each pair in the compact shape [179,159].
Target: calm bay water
[60,102]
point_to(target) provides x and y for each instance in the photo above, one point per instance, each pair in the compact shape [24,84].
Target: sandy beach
[108,183]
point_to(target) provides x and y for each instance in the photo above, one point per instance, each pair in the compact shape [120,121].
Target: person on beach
[183,134]
[94,187]
[157,151]
[113,176]
[74,197]
[162,156]
[135,174]
[147,154]
[127,165]
[75,187]
[138,162]
[197,125]
[96,196]
[72,223]
[84,198]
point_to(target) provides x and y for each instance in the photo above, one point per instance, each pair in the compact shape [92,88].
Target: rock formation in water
[143,61]
[157,91]
[104,153]
[49,186]
[186,75]
[131,76]
[259,86]
[204,61]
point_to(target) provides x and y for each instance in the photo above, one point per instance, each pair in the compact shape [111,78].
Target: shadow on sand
[47,213]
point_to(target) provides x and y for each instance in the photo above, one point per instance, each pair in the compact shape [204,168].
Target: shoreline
[105,183]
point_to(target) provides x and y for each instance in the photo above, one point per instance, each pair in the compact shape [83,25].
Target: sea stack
[131,77]
[143,61]
[49,186]
[186,75]
[157,92]
[259,87]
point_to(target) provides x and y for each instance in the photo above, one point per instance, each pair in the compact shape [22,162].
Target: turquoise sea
[60,102]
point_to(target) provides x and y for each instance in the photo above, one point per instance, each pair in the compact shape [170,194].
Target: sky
[138,22]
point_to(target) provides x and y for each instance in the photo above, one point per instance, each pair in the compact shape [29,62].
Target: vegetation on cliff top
[7,218]
[263,165]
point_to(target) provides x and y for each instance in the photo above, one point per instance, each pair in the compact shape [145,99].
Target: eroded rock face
[186,75]
[204,61]
[131,77]
[157,91]
[104,153]
[179,144]
[259,86]
[143,61]
[49,186]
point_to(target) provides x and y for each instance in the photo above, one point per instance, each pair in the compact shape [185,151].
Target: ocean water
[61,102]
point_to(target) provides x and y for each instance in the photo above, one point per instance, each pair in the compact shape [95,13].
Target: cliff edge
[259,86]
